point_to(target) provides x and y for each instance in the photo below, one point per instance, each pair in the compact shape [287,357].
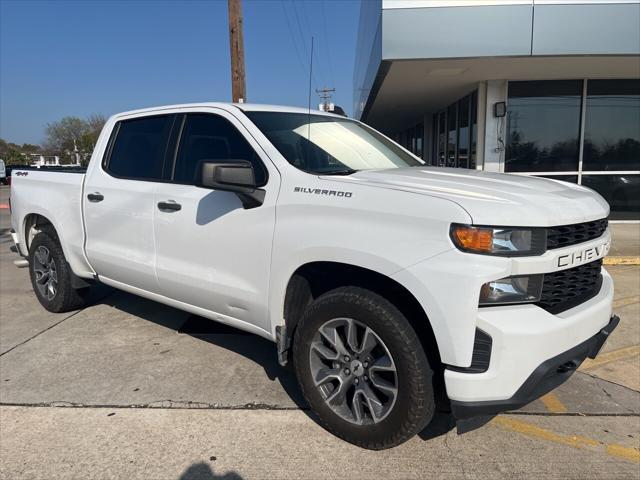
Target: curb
[622,260]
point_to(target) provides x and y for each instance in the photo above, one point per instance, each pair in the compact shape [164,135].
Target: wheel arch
[34,223]
[312,279]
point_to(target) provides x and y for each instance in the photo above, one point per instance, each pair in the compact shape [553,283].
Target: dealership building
[531,87]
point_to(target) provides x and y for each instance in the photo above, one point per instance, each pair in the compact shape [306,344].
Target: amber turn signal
[473,239]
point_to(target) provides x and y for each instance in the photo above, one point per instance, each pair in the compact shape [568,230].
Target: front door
[211,252]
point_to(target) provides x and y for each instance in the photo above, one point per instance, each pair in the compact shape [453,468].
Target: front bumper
[544,378]
[524,339]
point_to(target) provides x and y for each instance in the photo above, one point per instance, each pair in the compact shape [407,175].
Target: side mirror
[237,177]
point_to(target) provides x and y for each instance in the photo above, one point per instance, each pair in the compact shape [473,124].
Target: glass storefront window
[612,125]
[419,140]
[621,191]
[463,133]
[442,139]
[543,126]
[451,135]
[474,129]
[456,132]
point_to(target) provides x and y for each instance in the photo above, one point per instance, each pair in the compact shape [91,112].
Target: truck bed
[56,194]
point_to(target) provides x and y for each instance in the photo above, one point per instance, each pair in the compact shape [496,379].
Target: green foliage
[14,154]
[73,137]
[64,138]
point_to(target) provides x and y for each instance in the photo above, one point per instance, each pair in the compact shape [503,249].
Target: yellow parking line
[622,260]
[576,441]
[623,302]
[628,453]
[552,403]
[620,354]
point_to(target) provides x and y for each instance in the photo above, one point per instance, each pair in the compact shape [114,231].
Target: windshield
[328,145]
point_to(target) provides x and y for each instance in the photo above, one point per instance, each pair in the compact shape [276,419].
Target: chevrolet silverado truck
[389,285]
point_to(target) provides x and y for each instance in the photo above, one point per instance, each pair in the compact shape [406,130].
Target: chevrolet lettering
[584,256]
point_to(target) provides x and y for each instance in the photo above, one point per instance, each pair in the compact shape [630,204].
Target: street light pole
[236,42]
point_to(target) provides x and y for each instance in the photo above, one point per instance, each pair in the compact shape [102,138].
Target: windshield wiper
[341,171]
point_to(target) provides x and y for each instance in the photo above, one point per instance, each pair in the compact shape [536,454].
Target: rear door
[211,252]
[119,201]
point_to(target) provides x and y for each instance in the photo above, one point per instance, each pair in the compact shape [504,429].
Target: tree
[73,138]
[13,154]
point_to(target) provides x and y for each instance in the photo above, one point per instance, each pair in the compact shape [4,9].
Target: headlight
[522,289]
[506,241]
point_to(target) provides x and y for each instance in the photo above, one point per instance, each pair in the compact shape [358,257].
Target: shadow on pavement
[441,424]
[202,471]
[253,347]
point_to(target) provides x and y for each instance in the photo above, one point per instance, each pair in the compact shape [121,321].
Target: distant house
[39,160]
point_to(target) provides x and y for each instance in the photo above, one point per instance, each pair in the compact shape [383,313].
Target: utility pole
[236,43]
[325,96]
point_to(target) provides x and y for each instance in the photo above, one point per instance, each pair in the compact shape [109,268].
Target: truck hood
[494,198]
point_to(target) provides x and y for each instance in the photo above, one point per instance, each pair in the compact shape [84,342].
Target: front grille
[568,288]
[566,235]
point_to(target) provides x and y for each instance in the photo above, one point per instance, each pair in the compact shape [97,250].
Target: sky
[82,57]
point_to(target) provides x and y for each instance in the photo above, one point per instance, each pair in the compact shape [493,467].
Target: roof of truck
[246,107]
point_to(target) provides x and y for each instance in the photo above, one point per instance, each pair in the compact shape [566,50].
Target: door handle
[169,206]
[95,197]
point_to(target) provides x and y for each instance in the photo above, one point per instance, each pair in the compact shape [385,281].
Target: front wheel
[362,369]
[51,275]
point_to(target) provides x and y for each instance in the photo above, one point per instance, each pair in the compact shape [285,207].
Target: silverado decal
[320,191]
[583,256]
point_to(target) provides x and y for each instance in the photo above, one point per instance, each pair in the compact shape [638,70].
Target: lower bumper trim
[549,375]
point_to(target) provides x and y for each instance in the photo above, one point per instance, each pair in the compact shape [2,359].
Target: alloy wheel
[44,267]
[354,371]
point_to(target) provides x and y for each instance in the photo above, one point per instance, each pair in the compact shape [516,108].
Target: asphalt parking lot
[129,388]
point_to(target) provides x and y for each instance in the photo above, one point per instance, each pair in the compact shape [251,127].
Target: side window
[211,137]
[139,147]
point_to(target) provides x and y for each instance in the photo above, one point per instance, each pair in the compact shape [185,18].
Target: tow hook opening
[567,367]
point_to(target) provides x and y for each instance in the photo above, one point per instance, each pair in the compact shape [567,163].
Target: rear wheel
[51,275]
[362,369]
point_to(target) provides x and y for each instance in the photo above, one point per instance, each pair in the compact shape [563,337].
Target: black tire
[65,298]
[414,403]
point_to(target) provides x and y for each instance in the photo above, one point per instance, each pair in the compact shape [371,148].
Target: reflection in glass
[621,191]
[543,124]
[474,129]
[442,139]
[563,178]
[451,136]
[419,139]
[612,125]
[463,133]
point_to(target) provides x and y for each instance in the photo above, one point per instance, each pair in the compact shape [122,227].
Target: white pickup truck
[387,284]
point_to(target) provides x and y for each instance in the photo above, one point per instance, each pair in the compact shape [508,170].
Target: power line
[326,42]
[293,39]
[304,43]
[309,27]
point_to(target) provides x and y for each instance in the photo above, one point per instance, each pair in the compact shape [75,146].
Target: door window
[139,147]
[211,137]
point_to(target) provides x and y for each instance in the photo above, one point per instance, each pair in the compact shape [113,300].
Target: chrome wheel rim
[44,267]
[354,371]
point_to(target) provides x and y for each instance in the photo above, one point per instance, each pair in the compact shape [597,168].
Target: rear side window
[211,137]
[139,148]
